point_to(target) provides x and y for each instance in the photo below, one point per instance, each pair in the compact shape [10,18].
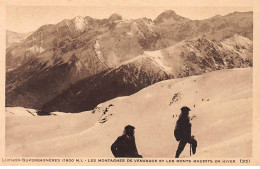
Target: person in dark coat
[125,145]
[184,125]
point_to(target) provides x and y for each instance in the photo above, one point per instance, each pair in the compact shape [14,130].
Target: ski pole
[190,149]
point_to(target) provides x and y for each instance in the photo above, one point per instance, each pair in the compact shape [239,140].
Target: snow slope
[220,100]
[19,111]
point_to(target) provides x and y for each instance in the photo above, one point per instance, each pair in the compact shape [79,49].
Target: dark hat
[185,108]
[129,127]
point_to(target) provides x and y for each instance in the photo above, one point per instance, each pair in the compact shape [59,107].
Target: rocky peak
[88,18]
[168,15]
[79,23]
[78,19]
[115,17]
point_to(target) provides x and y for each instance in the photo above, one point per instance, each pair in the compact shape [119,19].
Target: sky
[28,18]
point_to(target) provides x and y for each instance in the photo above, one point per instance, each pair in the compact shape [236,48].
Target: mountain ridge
[72,50]
[195,57]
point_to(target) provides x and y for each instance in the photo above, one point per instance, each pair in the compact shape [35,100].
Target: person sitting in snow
[125,145]
[182,132]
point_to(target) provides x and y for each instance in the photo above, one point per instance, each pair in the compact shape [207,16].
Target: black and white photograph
[141,82]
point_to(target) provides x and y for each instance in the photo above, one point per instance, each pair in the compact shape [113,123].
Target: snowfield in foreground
[221,102]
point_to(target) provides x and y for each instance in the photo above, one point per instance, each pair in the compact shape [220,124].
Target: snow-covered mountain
[173,28]
[123,80]
[55,58]
[221,102]
[193,57]
[115,40]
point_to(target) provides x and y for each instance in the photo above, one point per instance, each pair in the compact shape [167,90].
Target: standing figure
[182,132]
[125,146]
